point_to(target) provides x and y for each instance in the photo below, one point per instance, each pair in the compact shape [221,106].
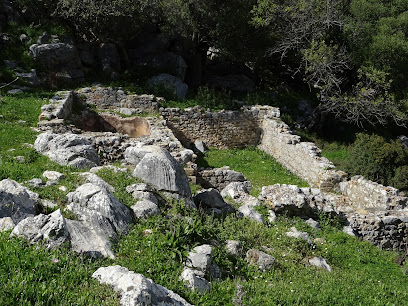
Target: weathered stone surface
[349,231]
[159,169]
[6,224]
[53,175]
[135,289]
[294,233]
[219,178]
[251,213]
[142,192]
[194,282]
[313,223]
[96,180]
[167,80]
[186,156]
[235,190]
[90,201]
[58,58]
[67,149]
[92,238]
[145,209]
[211,198]
[261,259]
[200,259]
[49,229]
[16,201]
[234,247]
[320,262]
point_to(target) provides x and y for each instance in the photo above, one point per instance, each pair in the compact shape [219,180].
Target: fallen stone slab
[16,201]
[50,229]
[136,289]
[294,233]
[145,209]
[194,282]
[250,212]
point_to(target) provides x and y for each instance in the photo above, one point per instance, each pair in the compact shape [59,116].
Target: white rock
[96,180]
[50,229]
[135,289]
[251,213]
[53,175]
[194,282]
[6,224]
[145,209]
[320,262]
[294,233]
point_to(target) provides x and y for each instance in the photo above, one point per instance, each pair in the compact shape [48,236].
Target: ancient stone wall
[224,129]
[109,98]
[365,194]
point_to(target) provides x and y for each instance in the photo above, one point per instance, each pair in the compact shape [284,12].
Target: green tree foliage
[378,160]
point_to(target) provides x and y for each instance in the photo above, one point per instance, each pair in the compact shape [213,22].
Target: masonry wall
[224,129]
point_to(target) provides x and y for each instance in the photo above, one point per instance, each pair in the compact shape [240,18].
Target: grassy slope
[362,274]
[257,166]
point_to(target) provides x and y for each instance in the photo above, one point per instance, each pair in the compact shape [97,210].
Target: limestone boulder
[200,259]
[89,202]
[135,289]
[145,209]
[294,233]
[6,224]
[194,282]
[50,229]
[67,149]
[320,262]
[251,213]
[100,219]
[234,247]
[261,259]
[168,81]
[16,201]
[156,167]
[211,198]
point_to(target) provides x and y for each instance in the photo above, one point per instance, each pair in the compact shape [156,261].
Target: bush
[378,160]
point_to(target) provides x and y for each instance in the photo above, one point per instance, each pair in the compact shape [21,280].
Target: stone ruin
[376,213]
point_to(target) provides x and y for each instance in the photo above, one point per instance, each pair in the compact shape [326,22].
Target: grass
[257,166]
[32,275]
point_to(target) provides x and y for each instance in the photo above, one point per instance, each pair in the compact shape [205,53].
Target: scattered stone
[35,182]
[235,190]
[96,180]
[16,201]
[145,209]
[53,175]
[294,233]
[261,259]
[63,188]
[147,232]
[194,282]
[51,183]
[320,262]
[251,213]
[6,224]
[313,223]
[200,259]
[135,289]
[272,216]
[234,248]
[67,149]
[50,229]
[30,77]
[211,198]
[14,91]
[186,156]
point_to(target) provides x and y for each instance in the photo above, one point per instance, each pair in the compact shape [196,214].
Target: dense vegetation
[351,54]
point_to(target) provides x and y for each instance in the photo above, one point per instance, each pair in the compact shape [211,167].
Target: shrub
[378,160]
